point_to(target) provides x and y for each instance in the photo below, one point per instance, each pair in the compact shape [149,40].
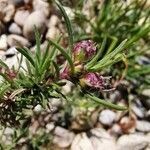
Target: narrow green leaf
[97,56]
[6,78]
[29,68]
[49,56]
[38,43]
[109,57]
[64,53]
[2,64]
[46,54]
[68,25]
[113,44]
[27,55]
[106,103]
[54,50]
[56,69]
[139,35]
[116,59]
[4,89]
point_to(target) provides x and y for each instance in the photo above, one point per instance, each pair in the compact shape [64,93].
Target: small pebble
[32,21]
[143,126]
[54,20]
[133,142]
[7,11]
[101,140]
[50,127]
[21,16]
[146,92]
[52,33]
[128,124]
[3,42]
[42,6]
[81,142]
[17,40]
[107,117]
[11,52]
[38,108]
[62,137]
[15,29]
[138,111]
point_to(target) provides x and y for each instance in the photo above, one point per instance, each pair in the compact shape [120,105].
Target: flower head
[93,80]
[65,73]
[84,50]
[10,74]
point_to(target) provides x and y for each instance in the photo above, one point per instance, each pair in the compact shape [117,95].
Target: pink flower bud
[84,50]
[65,73]
[93,80]
[11,74]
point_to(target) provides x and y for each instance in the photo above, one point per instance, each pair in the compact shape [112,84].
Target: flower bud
[84,50]
[65,73]
[11,74]
[93,80]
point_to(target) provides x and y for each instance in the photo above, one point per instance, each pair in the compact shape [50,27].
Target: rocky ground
[106,129]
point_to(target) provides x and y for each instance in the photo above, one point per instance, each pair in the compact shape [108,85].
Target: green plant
[40,80]
[112,22]
[24,88]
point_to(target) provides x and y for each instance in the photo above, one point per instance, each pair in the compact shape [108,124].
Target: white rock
[11,51]
[101,140]
[128,124]
[143,126]
[55,102]
[14,28]
[52,33]
[3,42]
[42,6]
[53,21]
[116,130]
[81,142]
[38,108]
[142,60]
[138,111]
[2,55]
[133,142]
[21,16]
[14,40]
[33,20]
[13,62]
[146,92]
[107,117]
[63,138]
[8,131]
[67,88]
[7,10]
[50,127]
[10,12]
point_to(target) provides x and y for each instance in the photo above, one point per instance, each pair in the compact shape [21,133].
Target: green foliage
[110,23]
[119,34]
[39,80]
